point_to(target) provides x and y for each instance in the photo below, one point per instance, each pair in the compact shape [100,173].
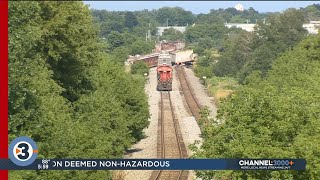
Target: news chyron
[23,153]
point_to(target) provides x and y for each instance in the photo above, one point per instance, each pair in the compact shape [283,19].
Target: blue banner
[157,164]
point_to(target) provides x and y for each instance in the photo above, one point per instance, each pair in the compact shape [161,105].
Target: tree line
[245,52]
[125,32]
[276,116]
[275,113]
[66,91]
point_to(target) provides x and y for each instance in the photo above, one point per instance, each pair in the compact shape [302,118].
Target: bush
[140,68]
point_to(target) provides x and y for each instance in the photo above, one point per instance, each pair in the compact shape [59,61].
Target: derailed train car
[164,72]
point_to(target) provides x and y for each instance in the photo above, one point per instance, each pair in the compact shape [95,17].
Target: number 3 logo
[23,151]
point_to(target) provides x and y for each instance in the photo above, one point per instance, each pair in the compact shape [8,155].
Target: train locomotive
[164,72]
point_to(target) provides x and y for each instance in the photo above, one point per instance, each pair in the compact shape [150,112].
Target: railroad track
[190,98]
[170,141]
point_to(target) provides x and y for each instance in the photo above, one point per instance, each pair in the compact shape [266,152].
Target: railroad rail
[189,96]
[170,141]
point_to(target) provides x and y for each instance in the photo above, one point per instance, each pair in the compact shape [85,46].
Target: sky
[198,7]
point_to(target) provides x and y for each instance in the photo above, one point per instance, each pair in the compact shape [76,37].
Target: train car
[151,60]
[164,72]
[182,56]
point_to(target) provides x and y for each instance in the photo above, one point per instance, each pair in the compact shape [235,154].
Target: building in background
[313,27]
[246,27]
[239,7]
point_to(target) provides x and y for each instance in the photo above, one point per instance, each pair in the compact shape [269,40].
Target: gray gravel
[200,92]
[147,147]
[188,125]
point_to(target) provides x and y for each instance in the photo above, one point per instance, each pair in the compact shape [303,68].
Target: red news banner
[4,84]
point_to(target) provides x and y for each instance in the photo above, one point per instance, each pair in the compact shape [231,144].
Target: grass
[127,68]
[221,87]
[214,53]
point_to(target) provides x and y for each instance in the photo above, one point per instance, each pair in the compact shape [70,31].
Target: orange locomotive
[164,72]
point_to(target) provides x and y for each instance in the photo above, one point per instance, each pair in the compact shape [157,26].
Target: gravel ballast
[147,147]
[200,93]
[188,124]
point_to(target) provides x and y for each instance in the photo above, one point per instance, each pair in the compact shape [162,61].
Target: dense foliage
[277,117]
[124,33]
[69,92]
[176,16]
[311,13]
[139,68]
[206,36]
[276,112]
[244,52]
[231,15]
[204,31]
[172,35]
[66,92]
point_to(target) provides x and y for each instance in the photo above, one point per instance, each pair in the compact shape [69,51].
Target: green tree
[128,93]
[141,47]
[276,117]
[139,68]
[198,33]
[174,16]
[36,107]
[106,101]
[245,52]
[63,23]
[283,32]
[172,35]
[311,13]
[237,48]
[115,39]
[130,20]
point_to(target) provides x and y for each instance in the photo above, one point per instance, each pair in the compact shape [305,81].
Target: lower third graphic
[23,151]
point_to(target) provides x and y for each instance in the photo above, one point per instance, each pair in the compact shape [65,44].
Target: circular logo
[23,151]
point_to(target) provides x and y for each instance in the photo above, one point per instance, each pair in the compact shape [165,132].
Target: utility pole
[149,35]
[167,22]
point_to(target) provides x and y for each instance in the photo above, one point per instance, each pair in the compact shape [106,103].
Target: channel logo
[275,164]
[23,151]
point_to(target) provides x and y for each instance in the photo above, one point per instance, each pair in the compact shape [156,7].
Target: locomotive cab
[164,72]
[164,75]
